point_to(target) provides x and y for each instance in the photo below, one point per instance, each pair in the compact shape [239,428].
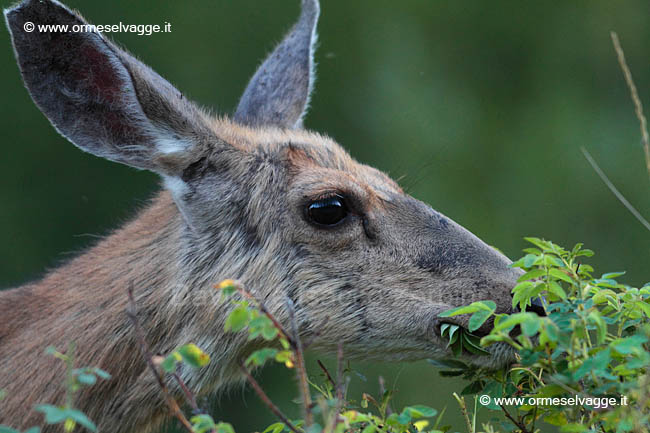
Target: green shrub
[586,363]
[583,367]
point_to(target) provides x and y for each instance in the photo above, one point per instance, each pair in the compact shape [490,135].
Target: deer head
[286,211]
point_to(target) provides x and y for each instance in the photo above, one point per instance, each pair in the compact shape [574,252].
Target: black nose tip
[537,306]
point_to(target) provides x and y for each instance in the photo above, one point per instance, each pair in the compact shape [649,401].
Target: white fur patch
[168,145]
[175,185]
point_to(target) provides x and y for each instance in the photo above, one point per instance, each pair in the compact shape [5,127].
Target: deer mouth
[462,322]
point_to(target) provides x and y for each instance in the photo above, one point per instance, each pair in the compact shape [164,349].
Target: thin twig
[189,395]
[463,410]
[519,424]
[301,370]
[266,312]
[371,399]
[613,189]
[382,391]
[340,392]
[146,352]
[327,373]
[267,401]
[339,388]
[638,107]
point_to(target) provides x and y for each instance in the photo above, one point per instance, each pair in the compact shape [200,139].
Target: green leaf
[202,423]
[269,332]
[452,334]
[628,345]
[556,419]
[53,414]
[604,295]
[573,428]
[472,344]
[169,364]
[644,306]
[453,329]
[284,356]
[314,428]
[529,260]
[473,388]
[399,420]
[478,319]
[480,306]
[5,429]
[101,373]
[494,390]
[531,275]
[522,293]
[531,326]
[237,319]
[274,428]
[87,379]
[560,275]
[451,373]
[30,430]
[467,309]
[539,243]
[512,320]
[194,356]
[596,364]
[259,357]
[601,327]
[420,411]
[448,363]
[81,418]
[554,288]
[224,427]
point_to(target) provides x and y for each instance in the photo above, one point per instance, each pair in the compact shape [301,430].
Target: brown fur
[234,207]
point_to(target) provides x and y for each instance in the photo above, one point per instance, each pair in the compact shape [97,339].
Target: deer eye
[327,211]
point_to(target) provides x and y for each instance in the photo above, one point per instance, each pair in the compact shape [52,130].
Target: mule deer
[254,197]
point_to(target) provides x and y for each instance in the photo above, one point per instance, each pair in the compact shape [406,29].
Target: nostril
[537,306]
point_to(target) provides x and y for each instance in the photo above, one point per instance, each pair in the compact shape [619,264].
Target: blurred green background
[481,106]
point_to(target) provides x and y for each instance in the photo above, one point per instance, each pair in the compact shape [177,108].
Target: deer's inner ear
[278,94]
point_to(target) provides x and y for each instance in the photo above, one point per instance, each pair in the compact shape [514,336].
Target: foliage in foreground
[583,367]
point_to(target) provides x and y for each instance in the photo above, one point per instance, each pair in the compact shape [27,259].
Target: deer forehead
[315,163]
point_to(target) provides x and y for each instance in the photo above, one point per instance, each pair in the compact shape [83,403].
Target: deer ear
[98,96]
[278,93]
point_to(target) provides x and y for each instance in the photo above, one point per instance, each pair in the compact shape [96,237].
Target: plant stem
[266,312]
[146,352]
[327,373]
[189,395]
[463,409]
[301,370]
[519,424]
[69,363]
[267,401]
[638,107]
